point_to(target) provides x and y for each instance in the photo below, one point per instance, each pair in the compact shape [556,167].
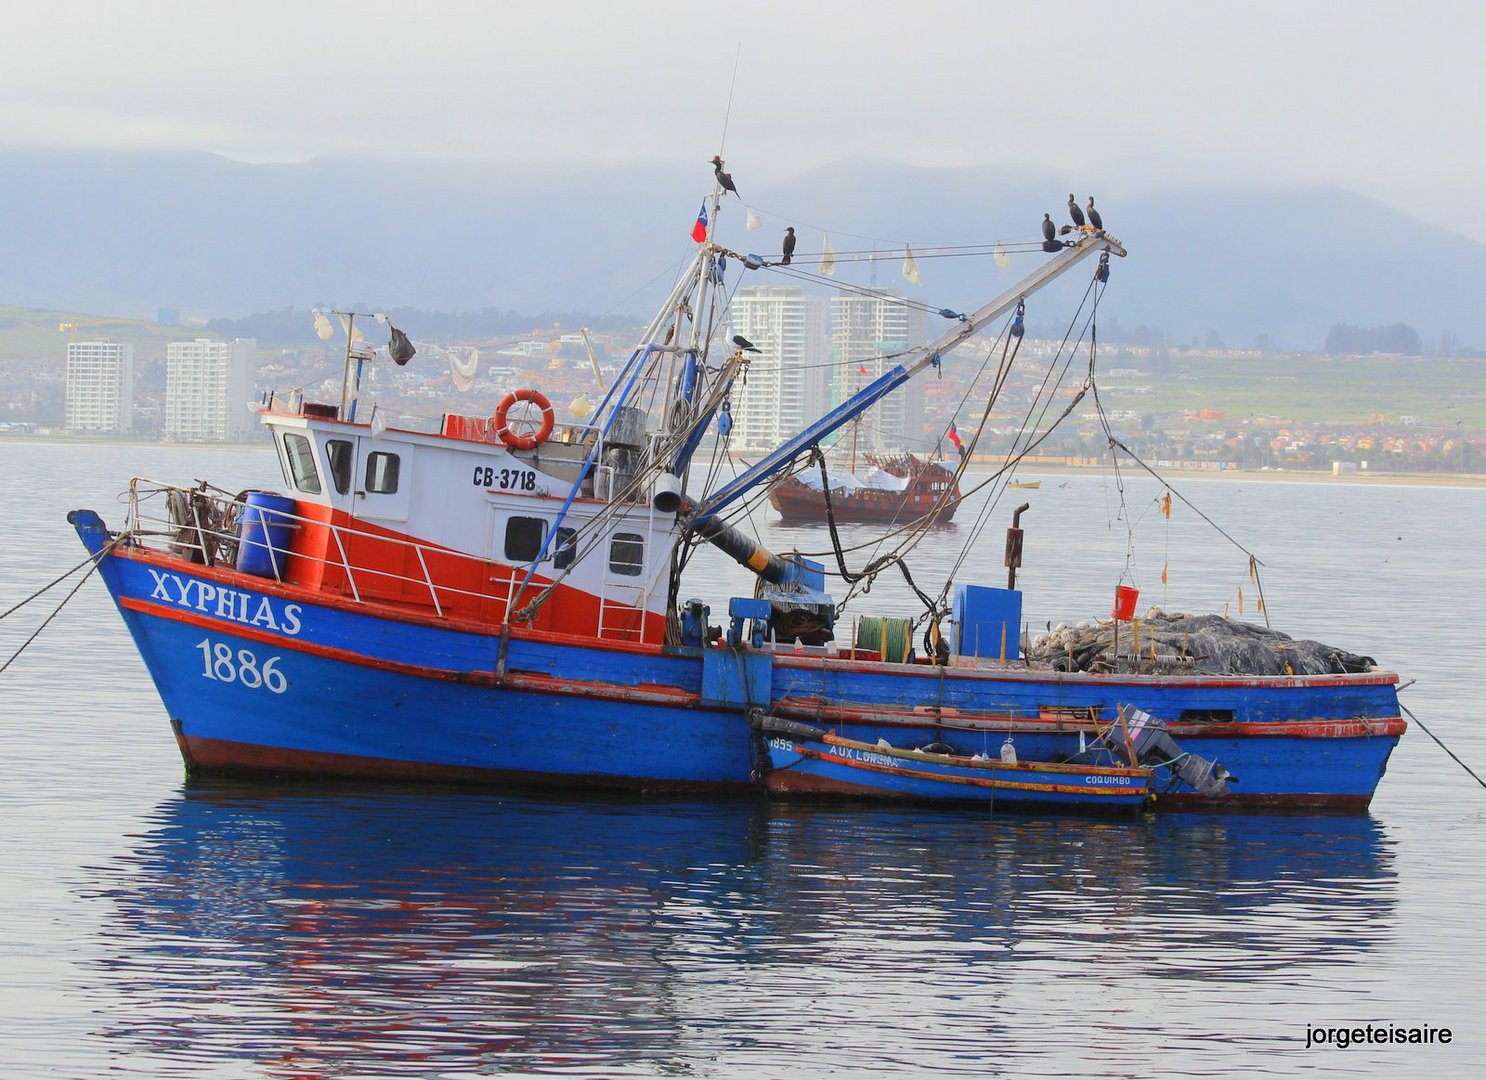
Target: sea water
[155,927]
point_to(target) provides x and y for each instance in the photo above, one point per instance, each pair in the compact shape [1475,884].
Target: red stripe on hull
[786,782]
[796,709]
[219,757]
[1350,804]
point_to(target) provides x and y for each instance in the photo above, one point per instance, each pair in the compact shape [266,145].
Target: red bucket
[1124,606]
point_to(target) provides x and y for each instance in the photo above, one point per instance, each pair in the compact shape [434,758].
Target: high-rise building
[206,390]
[869,332]
[99,396]
[788,379]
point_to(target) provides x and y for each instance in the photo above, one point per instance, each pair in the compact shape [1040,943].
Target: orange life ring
[523,442]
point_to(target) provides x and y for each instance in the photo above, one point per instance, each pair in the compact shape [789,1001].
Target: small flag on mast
[699,230]
[954,437]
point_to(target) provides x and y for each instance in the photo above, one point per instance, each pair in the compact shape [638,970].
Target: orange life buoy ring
[523,442]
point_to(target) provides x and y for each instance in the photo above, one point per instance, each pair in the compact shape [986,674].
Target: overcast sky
[1380,97]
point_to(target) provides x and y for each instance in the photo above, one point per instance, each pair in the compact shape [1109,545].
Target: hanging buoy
[1126,597]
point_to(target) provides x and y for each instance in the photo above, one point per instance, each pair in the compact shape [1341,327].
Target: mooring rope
[1442,746]
[91,559]
[50,584]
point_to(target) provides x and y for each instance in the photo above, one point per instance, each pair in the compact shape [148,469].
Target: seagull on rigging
[744,344]
[789,245]
[1074,212]
[725,180]
[1094,218]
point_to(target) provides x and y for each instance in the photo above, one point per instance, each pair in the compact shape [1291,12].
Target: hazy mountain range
[125,233]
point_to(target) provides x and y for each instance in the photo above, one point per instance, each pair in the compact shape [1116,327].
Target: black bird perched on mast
[1074,212]
[726,179]
[1094,218]
[789,245]
[1050,234]
[743,343]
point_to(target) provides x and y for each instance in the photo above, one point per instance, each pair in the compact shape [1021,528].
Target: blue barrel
[265,532]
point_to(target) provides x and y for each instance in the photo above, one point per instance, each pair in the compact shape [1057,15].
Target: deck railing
[203,524]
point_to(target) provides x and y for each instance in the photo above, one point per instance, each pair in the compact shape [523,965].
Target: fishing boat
[896,490]
[501,600]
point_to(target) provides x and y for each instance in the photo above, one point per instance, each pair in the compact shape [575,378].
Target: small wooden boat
[1025,485]
[896,490]
[825,764]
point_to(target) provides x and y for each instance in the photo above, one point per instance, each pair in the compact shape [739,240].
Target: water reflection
[314,933]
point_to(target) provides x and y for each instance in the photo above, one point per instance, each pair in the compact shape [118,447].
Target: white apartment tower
[789,377]
[869,334]
[206,390]
[100,387]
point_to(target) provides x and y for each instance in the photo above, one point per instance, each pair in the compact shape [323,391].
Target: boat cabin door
[381,480]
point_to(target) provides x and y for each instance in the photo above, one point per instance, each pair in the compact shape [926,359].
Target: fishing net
[1175,642]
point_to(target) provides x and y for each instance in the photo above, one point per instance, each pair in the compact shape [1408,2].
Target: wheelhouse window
[627,554]
[566,548]
[381,472]
[341,454]
[524,536]
[300,454]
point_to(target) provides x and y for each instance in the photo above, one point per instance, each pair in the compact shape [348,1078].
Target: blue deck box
[986,620]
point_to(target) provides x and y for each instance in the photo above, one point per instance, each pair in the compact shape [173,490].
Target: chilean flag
[699,230]
[954,437]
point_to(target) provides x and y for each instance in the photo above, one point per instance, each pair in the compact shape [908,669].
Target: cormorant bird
[789,245]
[1050,241]
[744,344]
[1074,212]
[726,179]
[1094,218]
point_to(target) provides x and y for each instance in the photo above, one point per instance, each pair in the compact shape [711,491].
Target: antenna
[727,115]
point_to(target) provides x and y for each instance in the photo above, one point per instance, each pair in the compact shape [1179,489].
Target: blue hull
[259,678]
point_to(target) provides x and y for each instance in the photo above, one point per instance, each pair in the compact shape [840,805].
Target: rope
[95,560]
[48,585]
[1442,746]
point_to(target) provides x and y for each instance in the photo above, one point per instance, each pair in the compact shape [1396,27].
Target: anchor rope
[49,585]
[94,560]
[1442,746]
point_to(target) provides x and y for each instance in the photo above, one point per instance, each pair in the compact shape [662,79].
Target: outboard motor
[1155,746]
